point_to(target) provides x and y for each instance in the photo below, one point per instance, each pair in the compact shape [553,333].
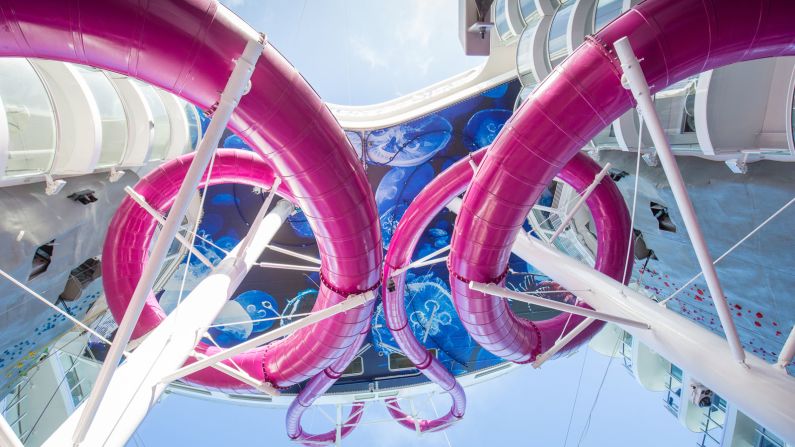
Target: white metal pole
[234,90]
[760,391]
[302,256]
[493,289]
[139,199]
[418,263]
[7,436]
[640,89]
[241,376]
[349,303]
[278,265]
[259,218]
[136,386]
[580,202]
[584,324]
[787,352]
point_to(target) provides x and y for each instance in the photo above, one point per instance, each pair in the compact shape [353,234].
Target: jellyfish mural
[409,144]
[394,193]
[235,142]
[251,312]
[484,126]
[356,141]
[300,225]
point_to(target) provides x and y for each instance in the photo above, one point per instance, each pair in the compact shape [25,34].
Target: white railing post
[563,341]
[635,79]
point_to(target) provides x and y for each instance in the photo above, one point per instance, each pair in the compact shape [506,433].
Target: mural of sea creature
[409,144]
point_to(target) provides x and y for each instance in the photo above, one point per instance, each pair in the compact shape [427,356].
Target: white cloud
[366,52]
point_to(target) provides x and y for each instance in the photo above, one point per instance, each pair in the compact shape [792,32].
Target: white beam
[633,74]
[563,341]
[141,201]
[136,386]
[580,202]
[787,352]
[279,265]
[7,436]
[760,391]
[283,331]
[294,254]
[259,218]
[242,376]
[493,289]
[234,90]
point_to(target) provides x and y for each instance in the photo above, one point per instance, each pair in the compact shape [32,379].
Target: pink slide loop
[673,39]
[314,389]
[188,47]
[579,173]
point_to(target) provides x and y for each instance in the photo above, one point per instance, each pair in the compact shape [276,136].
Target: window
[355,368]
[42,259]
[31,118]
[765,438]
[193,126]
[161,138]
[501,20]
[399,362]
[529,12]
[664,222]
[556,43]
[712,424]
[606,11]
[111,112]
[625,349]
[674,386]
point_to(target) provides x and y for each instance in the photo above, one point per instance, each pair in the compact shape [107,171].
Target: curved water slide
[189,48]
[584,94]
[612,225]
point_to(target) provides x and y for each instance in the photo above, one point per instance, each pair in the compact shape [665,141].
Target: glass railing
[31,118]
[501,20]
[556,42]
[111,112]
[194,125]
[524,52]
[529,11]
[606,11]
[161,138]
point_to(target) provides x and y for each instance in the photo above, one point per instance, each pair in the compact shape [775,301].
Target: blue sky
[362,52]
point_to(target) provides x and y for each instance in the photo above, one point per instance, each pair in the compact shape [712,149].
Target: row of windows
[33,117]
[395,361]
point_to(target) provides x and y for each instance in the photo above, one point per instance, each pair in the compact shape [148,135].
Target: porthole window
[355,368]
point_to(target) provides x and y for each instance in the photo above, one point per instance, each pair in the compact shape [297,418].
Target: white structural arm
[137,385]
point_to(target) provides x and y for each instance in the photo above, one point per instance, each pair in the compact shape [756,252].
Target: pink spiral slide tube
[314,389]
[612,221]
[673,39]
[188,47]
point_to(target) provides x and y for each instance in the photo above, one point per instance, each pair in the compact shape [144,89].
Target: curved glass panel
[162,127]
[193,126]
[524,52]
[111,111]
[606,11]
[523,94]
[557,34]
[501,20]
[529,10]
[31,118]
